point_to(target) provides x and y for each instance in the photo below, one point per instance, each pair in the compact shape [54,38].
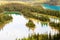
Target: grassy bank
[55,25]
[42,37]
[30,11]
[5,18]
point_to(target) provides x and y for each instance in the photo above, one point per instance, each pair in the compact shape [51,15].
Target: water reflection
[17,28]
[44,24]
[56,20]
[3,24]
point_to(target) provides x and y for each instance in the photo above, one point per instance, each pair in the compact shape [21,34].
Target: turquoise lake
[51,7]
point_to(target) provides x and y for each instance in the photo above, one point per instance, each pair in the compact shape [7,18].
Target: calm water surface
[17,28]
[51,7]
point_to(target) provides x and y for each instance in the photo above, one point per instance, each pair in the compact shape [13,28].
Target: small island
[30,25]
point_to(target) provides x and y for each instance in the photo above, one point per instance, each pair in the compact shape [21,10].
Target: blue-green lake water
[51,7]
